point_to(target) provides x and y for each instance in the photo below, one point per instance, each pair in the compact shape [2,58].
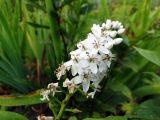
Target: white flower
[92,63]
[77,64]
[105,62]
[45,94]
[70,84]
[98,45]
[60,71]
[53,88]
[84,79]
[96,30]
[92,58]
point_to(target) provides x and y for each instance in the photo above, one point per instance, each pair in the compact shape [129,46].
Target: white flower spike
[92,58]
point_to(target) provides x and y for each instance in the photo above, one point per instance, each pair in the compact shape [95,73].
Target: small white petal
[77,80]
[96,83]
[93,51]
[56,84]
[52,85]
[102,67]
[85,85]
[65,83]
[109,45]
[74,70]
[109,64]
[96,30]
[93,67]
[69,63]
[80,71]
[104,50]
[118,41]
[75,52]
[91,94]
[83,63]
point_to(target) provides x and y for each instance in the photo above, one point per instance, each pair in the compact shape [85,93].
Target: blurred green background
[37,35]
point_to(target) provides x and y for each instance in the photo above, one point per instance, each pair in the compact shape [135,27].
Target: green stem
[59,102]
[63,106]
[51,106]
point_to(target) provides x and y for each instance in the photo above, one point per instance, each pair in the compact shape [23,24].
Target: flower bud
[113,33]
[120,31]
[117,41]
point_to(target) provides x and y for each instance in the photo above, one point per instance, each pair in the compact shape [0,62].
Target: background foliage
[36,36]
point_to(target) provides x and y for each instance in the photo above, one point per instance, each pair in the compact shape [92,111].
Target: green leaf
[147,90]
[148,110]
[54,29]
[30,99]
[105,107]
[119,87]
[12,71]
[108,118]
[152,56]
[103,10]
[36,25]
[5,115]
[73,118]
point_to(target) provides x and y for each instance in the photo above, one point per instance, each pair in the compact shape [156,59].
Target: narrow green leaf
[36,25]
[54,29]
[6,115]
[5,24]
[30,99]
[147,90]
[152,56]
[103,9]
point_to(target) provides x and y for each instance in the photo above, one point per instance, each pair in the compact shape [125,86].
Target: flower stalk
[51,106]
[63,106]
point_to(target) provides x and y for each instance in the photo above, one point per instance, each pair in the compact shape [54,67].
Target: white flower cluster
[92,58]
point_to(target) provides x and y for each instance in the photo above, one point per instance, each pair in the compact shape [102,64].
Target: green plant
[36,36]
